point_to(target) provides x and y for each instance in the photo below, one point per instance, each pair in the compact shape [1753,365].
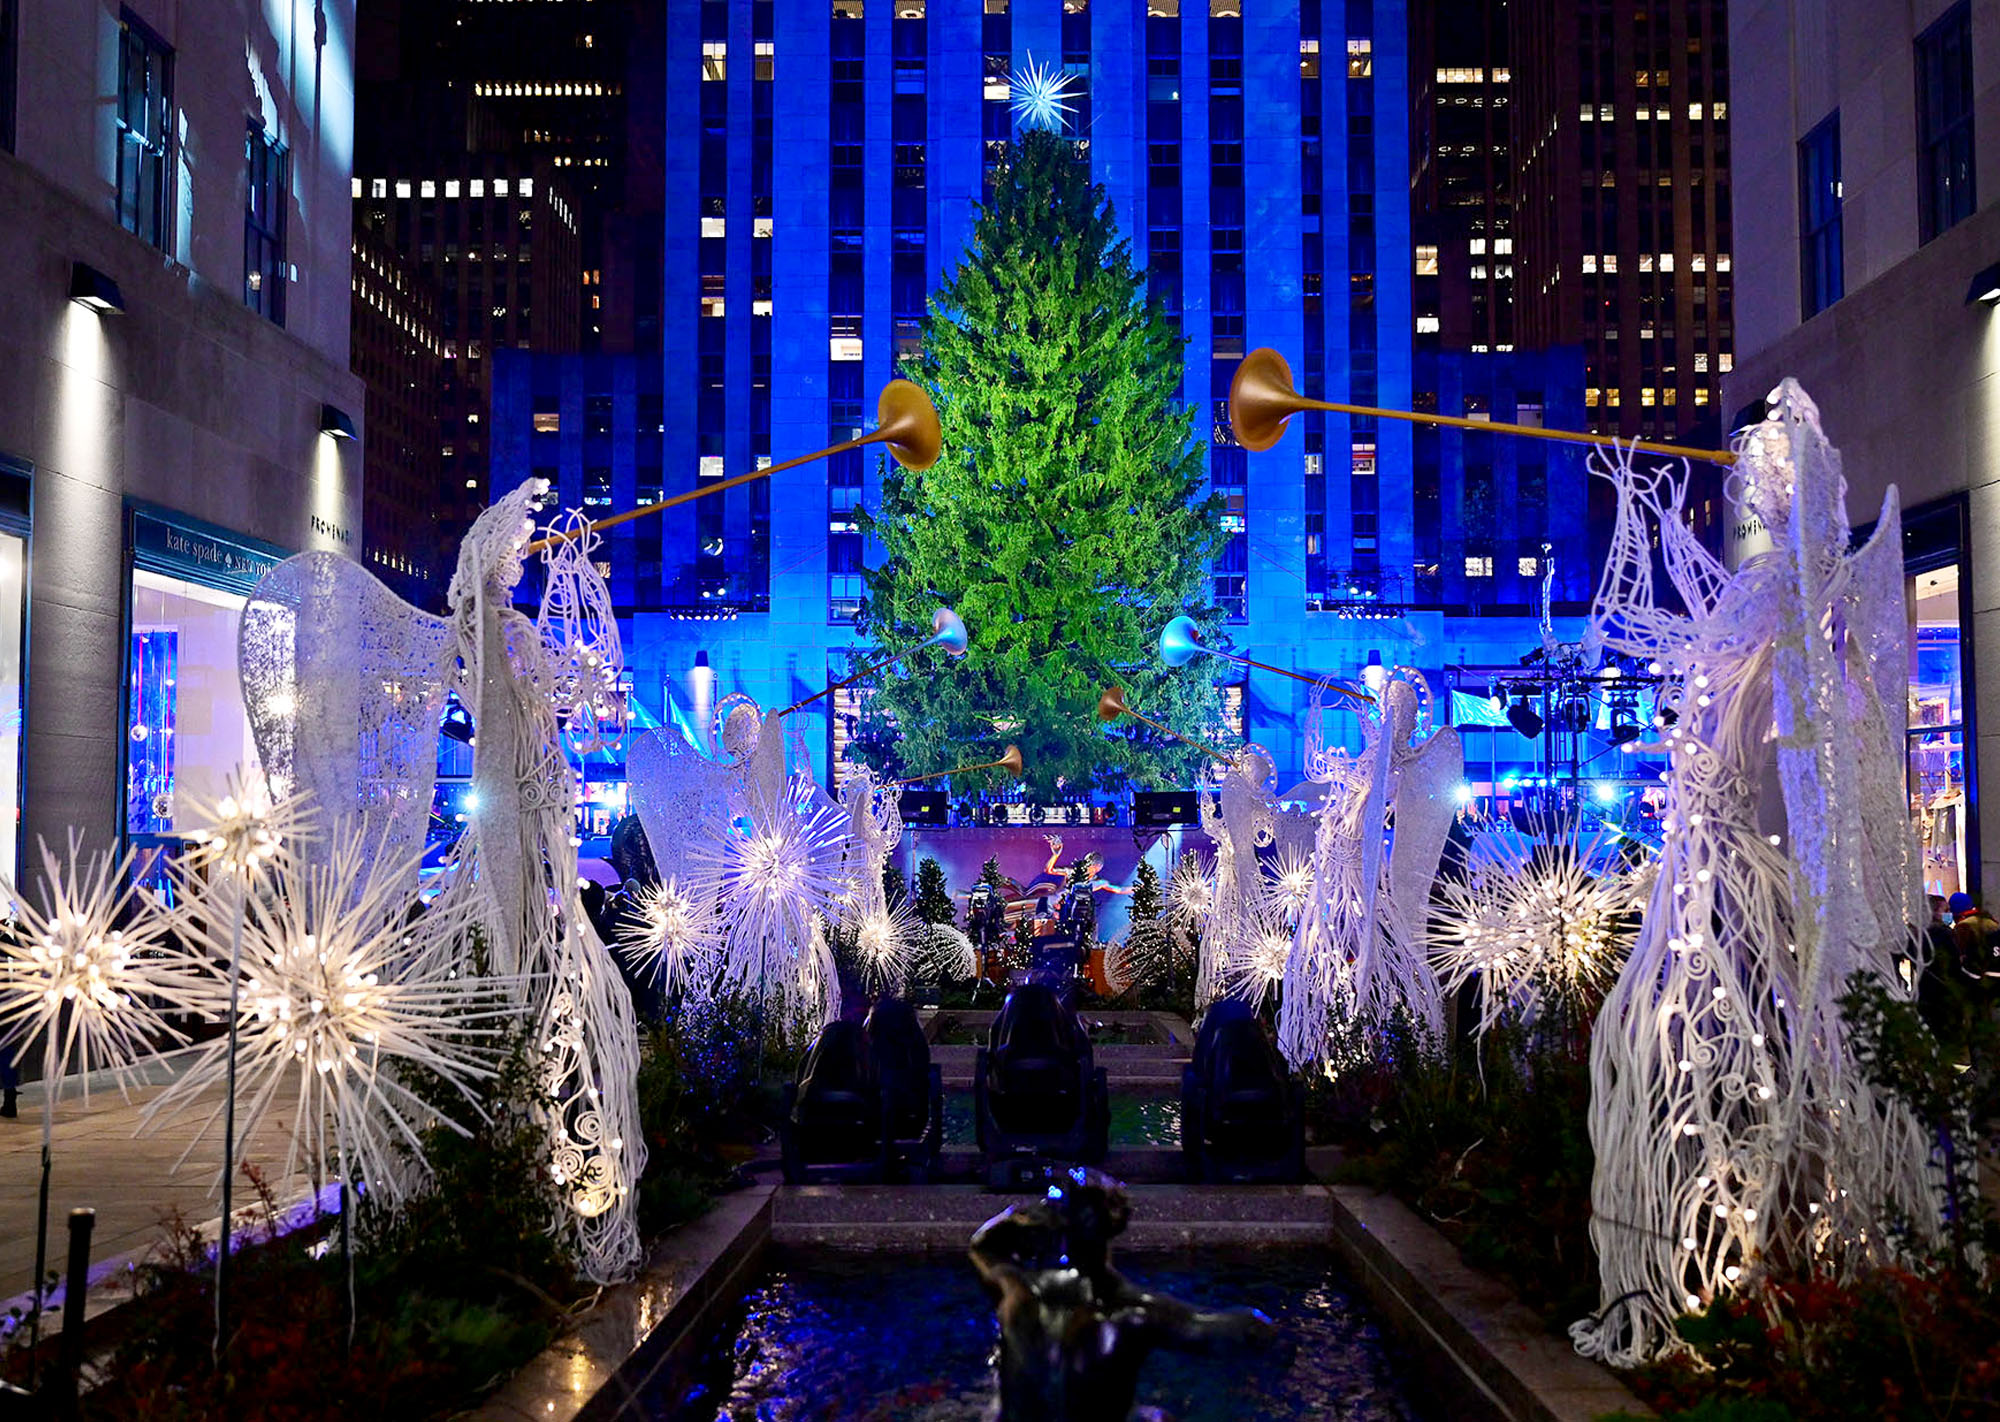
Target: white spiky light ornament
[1538,924]
[88,974]
[887,945]
[673,935]
[1190,896]
[334,997]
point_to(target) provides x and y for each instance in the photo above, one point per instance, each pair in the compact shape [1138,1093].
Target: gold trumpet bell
[1011,761]
[1261,399]
[907,422]
[1111,705]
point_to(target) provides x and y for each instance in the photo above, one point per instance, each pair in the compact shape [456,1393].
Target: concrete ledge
[1513,1367]
[943,1218]
[599,1370]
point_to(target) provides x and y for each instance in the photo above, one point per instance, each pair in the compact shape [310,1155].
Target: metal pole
[75,1290]
[225,1234]
[41,1264]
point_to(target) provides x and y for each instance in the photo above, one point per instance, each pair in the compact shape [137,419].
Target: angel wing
[1425,806]
[678,793]
[344,683]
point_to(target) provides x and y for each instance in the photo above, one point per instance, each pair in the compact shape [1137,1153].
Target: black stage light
[457,722]
[1521,716]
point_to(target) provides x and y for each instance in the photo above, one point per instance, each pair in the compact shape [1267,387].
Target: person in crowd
[1975,933]
[1942,989]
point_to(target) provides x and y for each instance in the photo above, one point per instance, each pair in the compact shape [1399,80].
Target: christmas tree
[933,898]
[1066,519]
[894,890]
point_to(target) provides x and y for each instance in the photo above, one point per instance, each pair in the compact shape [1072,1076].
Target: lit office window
[264,271]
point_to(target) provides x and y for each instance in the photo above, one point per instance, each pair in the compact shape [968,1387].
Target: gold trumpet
[905,420]
[1112,704]
[1009,762]
[1262,398]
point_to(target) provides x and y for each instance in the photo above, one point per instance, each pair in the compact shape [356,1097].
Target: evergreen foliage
[1066,519]
[933,898]
[1147,897]
[894,890]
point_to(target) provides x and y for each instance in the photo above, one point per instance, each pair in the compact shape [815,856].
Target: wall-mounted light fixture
[1985,286]
[91,288]
[336,422]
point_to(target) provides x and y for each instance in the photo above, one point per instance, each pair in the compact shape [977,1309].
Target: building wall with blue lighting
[825,161]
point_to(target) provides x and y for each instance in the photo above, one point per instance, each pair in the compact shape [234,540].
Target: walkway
[101,1161]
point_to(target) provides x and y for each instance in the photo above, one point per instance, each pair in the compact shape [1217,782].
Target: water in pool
[1137,1119]
[873,1337]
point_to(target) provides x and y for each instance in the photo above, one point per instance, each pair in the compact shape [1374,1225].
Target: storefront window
[13,622]
[1938,799]
[188,731]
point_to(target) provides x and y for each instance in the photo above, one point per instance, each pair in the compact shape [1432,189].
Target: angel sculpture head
[490,560]
[1399,713]
[740,731]
[1774,454]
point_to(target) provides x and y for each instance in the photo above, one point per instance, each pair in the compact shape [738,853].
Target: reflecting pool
[871,1337]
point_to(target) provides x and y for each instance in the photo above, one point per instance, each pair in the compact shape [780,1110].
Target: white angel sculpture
[1731,1126]
[1238,819]
[888,939]
[345,683]
[1358,950]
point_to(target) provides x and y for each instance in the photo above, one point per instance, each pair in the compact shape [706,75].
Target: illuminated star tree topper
[1040,95]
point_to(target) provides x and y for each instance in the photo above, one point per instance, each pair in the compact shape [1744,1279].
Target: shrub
[1487,1140]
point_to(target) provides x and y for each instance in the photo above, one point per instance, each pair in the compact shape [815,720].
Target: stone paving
[100,1161]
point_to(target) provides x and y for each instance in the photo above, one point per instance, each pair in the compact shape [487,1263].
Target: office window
[1944,122]
[1820,283]
[264,272]
[145,126]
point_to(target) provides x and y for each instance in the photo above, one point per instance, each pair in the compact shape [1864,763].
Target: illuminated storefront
[14,512]
[185,726]
[1942,783]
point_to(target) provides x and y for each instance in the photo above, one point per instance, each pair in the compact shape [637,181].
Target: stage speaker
[1155,809]
[924,807]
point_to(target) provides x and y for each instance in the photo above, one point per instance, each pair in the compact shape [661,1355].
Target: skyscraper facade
[500,242]
[1621,205]
[824,161]
[1461,175]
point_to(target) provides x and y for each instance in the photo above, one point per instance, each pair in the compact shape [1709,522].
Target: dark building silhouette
[1621,205]
[1461,176]
[396,346]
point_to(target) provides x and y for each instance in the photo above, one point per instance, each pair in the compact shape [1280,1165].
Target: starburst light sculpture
[88,975]
[1258,968]
[1040,95]
[674,935]
[335,996]
[1541,924]
[1288,882]
[887,943]
[774,884]
[1191,892]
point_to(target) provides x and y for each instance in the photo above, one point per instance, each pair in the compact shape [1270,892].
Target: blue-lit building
[824,160]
